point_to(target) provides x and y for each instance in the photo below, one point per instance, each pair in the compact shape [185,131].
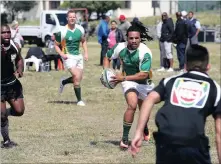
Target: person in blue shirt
[103,31]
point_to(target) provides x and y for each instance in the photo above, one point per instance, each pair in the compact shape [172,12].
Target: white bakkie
[50,20]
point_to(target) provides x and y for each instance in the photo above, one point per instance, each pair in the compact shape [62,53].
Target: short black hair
[143,30]
[197,58]
[114,21]
[191,12]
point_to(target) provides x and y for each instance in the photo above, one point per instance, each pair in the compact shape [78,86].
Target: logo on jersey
[70,38]
[13,56]
[189,93]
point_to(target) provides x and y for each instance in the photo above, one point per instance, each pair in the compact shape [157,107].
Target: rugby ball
[106,78]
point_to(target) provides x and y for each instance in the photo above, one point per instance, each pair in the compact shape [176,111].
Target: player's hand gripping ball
[106,78]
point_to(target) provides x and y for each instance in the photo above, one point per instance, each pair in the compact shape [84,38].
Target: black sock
[146,131]
[4,129]
[126,130]
[77,90]
[67,81]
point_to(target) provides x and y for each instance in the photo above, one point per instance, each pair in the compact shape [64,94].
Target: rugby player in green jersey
[69,39]
[136,81]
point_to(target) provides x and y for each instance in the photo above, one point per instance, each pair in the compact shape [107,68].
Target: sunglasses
[4,32]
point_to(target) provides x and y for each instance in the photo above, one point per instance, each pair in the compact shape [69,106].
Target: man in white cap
[184,14]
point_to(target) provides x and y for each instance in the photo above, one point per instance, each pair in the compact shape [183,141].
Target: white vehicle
[50,20]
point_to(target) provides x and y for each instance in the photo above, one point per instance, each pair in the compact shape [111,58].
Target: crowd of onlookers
[184,34]
[181,35]
[108,37]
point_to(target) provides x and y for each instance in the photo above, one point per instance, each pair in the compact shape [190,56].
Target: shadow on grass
[117,143]
[98,65]
[62,102]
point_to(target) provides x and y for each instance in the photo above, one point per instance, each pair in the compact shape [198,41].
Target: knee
[132,107]
[76,83]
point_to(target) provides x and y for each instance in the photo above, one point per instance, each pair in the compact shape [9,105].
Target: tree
[100,7]
[15,6]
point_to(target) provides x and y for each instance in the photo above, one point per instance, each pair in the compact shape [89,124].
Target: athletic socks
[126,130]
[146,131]
[67,81]
[77,90]
[4,130]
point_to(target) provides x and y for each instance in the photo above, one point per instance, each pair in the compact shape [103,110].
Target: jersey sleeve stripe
[218,96]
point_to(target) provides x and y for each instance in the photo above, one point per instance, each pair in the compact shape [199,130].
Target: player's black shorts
[180,154]
[11,91]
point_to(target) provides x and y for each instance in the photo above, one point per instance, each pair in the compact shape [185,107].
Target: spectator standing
[158,28]
[15,35]
[103,31]
[167,31]
[194,29]
[180,39]
[124,25]
[115,36]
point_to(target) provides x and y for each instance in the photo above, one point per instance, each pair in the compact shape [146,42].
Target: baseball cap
[107,14]
[122,17]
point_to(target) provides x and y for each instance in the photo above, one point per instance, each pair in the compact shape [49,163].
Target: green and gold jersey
[70,39]
[134,61]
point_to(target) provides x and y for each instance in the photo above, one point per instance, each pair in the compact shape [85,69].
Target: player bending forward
[189,99]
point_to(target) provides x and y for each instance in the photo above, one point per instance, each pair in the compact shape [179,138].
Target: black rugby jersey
[8,57]
[189,98]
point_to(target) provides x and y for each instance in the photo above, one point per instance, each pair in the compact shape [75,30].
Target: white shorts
[166,48]
[74,61]
[142,89]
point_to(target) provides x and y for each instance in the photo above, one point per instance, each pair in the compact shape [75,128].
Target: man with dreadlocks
[136,81]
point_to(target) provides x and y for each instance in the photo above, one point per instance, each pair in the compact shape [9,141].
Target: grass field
[55,130]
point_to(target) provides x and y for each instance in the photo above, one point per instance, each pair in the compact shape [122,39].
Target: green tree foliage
[100,7]
[13,7]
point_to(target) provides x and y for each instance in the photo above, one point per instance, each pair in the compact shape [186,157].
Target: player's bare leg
[17,109]
[146,130]
[132,100]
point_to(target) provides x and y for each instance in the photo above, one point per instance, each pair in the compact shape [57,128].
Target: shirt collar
[199,73]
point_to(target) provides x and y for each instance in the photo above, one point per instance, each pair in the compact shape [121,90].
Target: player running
[69,38]
[136,77]
[11,88]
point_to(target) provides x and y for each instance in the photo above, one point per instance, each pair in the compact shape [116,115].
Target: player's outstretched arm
[218,136]
[145,111]
[19,65]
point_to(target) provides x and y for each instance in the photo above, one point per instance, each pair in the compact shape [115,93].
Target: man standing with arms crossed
[69,38]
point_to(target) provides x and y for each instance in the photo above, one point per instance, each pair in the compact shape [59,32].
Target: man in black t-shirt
[11,88]
[189,99]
